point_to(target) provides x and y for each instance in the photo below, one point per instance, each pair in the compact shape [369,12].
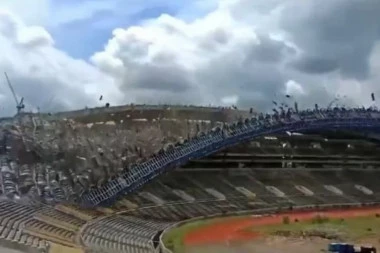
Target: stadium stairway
[120,233]
[135,228]
[257,182]
[13,218]
[38,227]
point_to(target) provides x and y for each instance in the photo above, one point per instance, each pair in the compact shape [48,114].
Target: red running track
[236,229]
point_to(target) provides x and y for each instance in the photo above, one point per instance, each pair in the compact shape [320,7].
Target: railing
[227,136]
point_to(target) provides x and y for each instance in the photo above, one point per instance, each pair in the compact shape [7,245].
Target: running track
[236,229]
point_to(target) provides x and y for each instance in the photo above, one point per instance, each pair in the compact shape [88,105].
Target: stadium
[131,178]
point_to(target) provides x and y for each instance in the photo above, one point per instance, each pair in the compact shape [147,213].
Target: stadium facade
[221,138]
[53,170]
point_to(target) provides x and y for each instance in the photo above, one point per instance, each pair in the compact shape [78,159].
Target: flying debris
[288,96]
[101,98]
[373,96]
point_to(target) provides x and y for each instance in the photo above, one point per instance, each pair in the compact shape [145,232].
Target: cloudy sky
[64,54]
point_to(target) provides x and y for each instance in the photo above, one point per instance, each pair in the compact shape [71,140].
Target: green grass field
[351,229]
[173,239]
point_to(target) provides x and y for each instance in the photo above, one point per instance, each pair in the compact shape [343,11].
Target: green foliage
[321,226]
[173,239]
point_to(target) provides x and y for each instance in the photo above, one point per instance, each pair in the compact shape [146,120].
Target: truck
[349,248]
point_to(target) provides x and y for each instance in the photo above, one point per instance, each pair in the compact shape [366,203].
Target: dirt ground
[232,236]
[272,245]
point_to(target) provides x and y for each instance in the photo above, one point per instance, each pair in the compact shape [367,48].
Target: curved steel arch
[215,141]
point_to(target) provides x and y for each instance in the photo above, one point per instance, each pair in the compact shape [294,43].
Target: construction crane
[19,104]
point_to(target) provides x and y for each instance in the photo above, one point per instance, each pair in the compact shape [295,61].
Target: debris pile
[56,160]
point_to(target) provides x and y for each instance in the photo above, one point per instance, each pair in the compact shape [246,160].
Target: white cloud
[248,48]
[34,36]
[242,51]
[168,41]
[230,100]
[39,71]
[34,12]
[294,88]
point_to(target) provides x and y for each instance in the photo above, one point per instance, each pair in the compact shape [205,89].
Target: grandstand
[262,163]
[220,138]
[251,176]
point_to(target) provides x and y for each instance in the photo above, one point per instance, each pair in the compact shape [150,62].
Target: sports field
[293,232]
